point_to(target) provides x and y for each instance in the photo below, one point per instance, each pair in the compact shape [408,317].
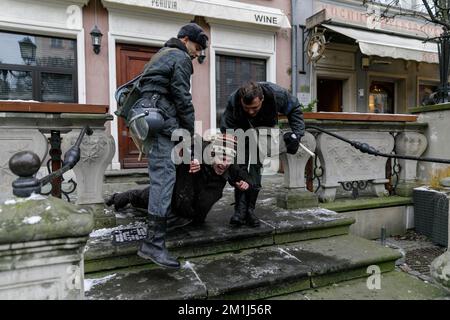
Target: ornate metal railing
[26,164]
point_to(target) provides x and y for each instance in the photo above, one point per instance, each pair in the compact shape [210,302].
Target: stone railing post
[41,248]
[440,267]
[294,194]
[97,152]
[411,144]
[42,241]
[11,142]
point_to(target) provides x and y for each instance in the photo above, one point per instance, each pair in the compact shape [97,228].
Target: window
[381,97]
[426,88]
[37,68]
[231,73]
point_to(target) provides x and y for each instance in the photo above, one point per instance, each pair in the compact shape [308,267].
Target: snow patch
[107,231]
[101,232]
[90,283]
[10,202]
[48,208]
[36,196]
[32,220]
[257,272]
[427,188]
[268,200]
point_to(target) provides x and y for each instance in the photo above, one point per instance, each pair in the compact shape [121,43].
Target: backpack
[130,92]
[129,102]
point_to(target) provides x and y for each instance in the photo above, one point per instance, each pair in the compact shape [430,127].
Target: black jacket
[194,194]
[276,100]
[170,76]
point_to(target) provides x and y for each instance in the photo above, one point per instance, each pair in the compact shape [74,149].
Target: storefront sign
[266,19]
[370,18]
[164,4]
[225,10]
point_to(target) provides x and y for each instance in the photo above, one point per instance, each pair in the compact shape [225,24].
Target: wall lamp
[96,36]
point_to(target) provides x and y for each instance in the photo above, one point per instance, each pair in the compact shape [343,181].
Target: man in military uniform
[166,83]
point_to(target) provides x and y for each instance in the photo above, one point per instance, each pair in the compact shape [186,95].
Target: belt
[151,95]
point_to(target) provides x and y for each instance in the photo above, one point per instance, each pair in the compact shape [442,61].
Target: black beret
[195,33]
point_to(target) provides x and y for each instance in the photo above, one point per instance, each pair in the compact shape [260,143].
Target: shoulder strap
[153,60]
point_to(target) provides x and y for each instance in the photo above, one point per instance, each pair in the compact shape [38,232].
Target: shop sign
[370,19]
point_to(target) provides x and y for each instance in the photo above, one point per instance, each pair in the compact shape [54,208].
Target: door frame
[401,84]
[348,87]
[121,75]
[112,44]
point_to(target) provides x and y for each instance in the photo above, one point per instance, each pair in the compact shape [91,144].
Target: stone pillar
[97,151]
[11,142]
[440,267]
[295,195]
[410,144]
[42,241]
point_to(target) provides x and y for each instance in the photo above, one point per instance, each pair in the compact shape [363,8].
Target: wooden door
[329,95]
[130,62]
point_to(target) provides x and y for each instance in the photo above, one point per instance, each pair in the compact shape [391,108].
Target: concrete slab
[253,274]
[217,235]
[394,285]
[151,284]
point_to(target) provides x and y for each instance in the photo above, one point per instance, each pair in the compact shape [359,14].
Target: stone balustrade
[21,131]
[341,163]
[42,241]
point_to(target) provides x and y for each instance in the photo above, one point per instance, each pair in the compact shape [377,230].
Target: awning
[385,45]
[215,9]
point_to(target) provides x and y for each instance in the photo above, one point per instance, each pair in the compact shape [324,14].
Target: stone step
[127,176]
[249,274]
[278,226]
[393,285]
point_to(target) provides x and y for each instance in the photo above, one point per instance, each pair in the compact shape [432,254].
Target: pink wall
[200,86]
[283,40]
[97,69]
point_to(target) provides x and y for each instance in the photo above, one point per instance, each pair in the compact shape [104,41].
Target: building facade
[350,60]
[47,52]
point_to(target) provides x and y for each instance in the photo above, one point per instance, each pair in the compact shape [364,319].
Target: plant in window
[309,107]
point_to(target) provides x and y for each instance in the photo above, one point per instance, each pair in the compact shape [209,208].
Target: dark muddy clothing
[194,193]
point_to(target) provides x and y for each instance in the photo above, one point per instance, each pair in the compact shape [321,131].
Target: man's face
[253,108]
[220,165]
[194,49]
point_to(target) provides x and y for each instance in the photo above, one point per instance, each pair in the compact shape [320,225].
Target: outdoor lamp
[201,58]
[27,50]
[96,36]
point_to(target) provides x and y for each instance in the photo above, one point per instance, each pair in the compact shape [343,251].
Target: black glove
[292,142]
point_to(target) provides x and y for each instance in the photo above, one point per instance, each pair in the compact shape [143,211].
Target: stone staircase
[292,251]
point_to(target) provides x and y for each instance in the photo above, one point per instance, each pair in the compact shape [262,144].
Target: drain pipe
[294,30]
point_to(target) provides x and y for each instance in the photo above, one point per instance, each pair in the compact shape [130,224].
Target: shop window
[37,68]
[381,97]
[231,73]
[426,88]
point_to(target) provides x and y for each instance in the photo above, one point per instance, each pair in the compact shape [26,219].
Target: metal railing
[26,164]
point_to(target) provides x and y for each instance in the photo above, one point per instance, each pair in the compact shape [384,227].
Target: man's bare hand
[242,185]
[194,166]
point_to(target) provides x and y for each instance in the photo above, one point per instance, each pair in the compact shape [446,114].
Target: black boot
[251,219]
[154,246]
[240,207]
[175,222]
